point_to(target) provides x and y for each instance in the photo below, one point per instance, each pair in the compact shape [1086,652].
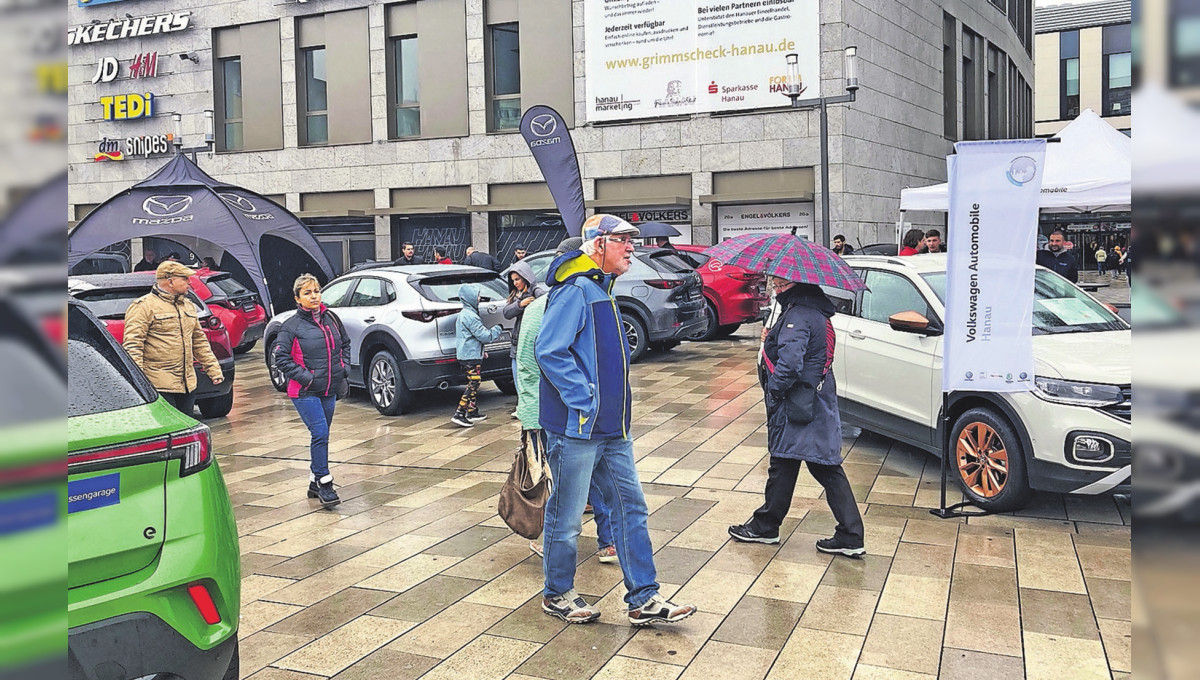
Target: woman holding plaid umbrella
[803,423]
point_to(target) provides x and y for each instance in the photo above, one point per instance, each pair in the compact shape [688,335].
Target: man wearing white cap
[585,404]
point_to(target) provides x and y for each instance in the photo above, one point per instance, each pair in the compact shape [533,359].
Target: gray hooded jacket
[514,310]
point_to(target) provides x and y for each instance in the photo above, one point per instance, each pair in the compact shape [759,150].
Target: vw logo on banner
[166,206]
[240,202]
[543,125]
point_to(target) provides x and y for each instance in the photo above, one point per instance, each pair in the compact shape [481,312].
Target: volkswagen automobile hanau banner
[650,58]
[994,190]
[550,143]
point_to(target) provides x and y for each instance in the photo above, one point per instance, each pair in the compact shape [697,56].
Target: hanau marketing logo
[166,206]
[543,125]
[1022,170]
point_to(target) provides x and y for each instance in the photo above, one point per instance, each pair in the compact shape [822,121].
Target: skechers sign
[136,27]
[165,209]
[127,106]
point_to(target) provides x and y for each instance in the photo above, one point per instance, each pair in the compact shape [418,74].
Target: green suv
[153,563]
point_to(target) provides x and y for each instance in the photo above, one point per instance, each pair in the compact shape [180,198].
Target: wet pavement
[414,574]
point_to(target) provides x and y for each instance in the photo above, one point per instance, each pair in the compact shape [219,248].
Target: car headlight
[1077,393]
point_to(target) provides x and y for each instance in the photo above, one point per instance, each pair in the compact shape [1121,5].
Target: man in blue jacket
[585,411]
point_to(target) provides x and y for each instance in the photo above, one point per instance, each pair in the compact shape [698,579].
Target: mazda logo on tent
[166,206]
[543,125]
[240,202]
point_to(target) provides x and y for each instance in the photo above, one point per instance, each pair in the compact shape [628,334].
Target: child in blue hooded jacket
[471,335]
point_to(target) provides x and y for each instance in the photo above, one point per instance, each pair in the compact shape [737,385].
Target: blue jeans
[603,516]
[607,464]
[317,414]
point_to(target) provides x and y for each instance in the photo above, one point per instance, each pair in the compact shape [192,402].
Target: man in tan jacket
[163,337]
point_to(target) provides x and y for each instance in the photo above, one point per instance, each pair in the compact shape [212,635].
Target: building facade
[1084,61]
[385,123]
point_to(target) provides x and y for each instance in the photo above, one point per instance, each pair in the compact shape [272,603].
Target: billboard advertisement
[652,58]
[765,218]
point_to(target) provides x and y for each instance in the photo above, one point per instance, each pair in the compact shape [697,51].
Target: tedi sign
[127,106]
[135,27]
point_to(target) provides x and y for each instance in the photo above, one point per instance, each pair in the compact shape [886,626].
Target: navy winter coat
[313,352]
[796,346]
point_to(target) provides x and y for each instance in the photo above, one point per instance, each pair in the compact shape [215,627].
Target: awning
[757,197]
[641,200]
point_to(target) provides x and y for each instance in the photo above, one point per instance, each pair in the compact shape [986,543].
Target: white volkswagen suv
[1071,434]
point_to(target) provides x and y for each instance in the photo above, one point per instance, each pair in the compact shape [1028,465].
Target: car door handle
[857,335]
[369,319]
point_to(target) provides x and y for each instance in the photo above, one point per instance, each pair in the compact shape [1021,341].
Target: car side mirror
[912,322]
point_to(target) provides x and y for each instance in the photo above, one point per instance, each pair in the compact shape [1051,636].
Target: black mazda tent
[181,201]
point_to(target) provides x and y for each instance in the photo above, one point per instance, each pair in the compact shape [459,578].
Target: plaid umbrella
[788,257]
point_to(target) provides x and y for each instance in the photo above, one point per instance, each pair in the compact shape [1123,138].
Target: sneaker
[659,610]
[570,607]
[835,546]
[608,554]
[536,549]
[744,534]
[462,420]
[476,416]
[325,492]
[588,509]
[513,415]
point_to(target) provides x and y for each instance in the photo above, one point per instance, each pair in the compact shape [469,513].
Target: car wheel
[216,407]
[990,461]
[728,330]
[506,386]
[635,334]
[278,379]
[709,330]
[386,386]
[235,665]
[245,347]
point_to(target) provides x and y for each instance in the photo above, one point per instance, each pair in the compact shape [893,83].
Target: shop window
[504,77]
[315,125]
[247,87]
[1118,69]
[406,90]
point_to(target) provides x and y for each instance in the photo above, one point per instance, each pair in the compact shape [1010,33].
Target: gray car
[661,298]
[400,320]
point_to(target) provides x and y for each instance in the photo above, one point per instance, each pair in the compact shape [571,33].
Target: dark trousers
[781,483]
[186,403]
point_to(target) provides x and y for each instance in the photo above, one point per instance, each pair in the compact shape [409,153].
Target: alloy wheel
[631,334]
[383,383]
[982,459]
[277,377]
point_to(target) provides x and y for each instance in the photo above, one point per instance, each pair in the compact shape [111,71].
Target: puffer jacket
[514,310]
[470,333]
[583,354]
[163,337]
[313,352]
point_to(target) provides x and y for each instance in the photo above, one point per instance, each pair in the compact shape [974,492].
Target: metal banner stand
[953,511]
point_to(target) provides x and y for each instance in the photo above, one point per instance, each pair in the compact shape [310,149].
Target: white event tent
[1089,170]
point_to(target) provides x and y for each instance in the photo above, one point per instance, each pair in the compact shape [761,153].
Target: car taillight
[204,603]
[665,284]
[194,448]
[742,276]
[426,315]
[123,454]
[214,323]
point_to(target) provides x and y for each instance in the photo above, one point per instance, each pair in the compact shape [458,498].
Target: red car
[735,296]
[237,307]
[109,295]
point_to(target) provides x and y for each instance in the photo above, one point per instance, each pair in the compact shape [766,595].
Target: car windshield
[445,288]
[669,261]
[111,303]
[226,286]
[1058,306]
[99,380]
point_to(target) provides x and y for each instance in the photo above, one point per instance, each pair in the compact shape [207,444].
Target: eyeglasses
[626,240]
